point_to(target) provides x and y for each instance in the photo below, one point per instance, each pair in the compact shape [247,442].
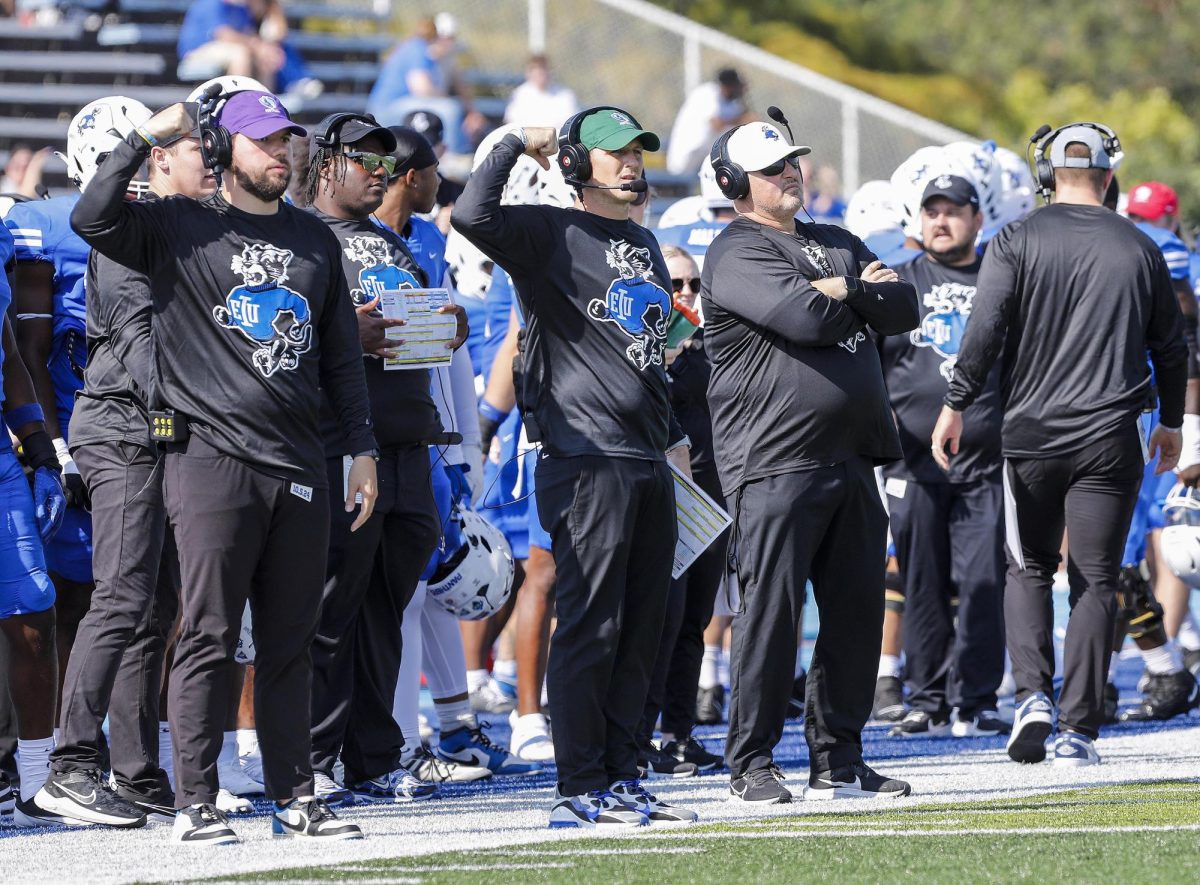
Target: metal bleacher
[127,47]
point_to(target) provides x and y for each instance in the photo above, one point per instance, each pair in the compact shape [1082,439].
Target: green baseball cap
[611,130]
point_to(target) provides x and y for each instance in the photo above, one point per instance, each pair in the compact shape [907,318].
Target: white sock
[57,735]
[407,703]
[229,753]
[889,665]
[1112,667]
[477,679]
[33,764]
[708,666]
[1164,659]
[1188,637]
[166,752]
[454,714]
[247,742]
[507,669]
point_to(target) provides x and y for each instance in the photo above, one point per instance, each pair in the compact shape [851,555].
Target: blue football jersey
[1172,248]
[41,231]
[695,237]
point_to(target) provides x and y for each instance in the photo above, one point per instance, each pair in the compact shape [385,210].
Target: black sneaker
[84,796]
[762,785]
[203,824]
[1191,661]
[985,723]
[710,705]
[1112,701]
[158,805]
[691,750]
[8,800]
[1168,695]
[918,723]
[855,781]
[796,702]
[655,764]
[889,699]
[310,818]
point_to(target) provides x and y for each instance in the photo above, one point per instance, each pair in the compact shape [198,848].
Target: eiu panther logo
[639,307]
[378,272]
[943,327]
[269,314]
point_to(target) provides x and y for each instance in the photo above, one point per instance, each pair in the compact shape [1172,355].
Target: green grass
[927,843]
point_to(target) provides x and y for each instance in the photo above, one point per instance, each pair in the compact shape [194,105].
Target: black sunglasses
[371,162]
[777,168]
[693,283]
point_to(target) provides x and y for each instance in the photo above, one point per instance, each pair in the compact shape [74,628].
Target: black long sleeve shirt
[251,318]
[1075,296]
[796,383]
[595,294]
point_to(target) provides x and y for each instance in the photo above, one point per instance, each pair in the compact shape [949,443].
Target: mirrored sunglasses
[371,162]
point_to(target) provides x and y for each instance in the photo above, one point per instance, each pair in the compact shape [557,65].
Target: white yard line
[494,820]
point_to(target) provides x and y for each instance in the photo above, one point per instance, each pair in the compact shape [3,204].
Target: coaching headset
[1043,169]
[732,179]
[329,135]
[216,144]
[575,163]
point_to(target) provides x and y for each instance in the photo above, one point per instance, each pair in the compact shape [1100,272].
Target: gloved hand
[49,500]
[460,485]
[474,470]
[72,482]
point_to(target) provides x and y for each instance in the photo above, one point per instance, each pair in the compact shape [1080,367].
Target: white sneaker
[490,698]
[531,737]
[599,808]
[202,825]
[235,778]
[1075,750]
[637,797]
[227,803]
[330,791]
[424,766]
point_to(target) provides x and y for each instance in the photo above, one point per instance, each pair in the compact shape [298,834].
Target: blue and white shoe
[470,746]
[330,791]
[599,808]
[396,786]
[1075,750]
[1032,724]
[633,794]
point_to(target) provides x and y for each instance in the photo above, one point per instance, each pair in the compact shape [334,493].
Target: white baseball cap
[754,146]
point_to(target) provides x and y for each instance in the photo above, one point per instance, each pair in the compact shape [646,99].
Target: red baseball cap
[1152,200]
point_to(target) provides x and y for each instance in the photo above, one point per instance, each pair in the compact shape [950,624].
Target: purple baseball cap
[256,115]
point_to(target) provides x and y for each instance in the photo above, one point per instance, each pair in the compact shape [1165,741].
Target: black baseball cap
[954,188]
[355,129]
[428,124]
[412,151]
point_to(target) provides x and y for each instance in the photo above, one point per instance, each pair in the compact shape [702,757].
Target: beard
[955,254]
[262,186]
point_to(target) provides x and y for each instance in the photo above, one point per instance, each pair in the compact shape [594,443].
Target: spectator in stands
[539,101]
[246,38]
[23,173]
[823,194]
[709,110]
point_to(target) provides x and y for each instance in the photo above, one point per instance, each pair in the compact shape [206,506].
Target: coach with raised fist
[800,419]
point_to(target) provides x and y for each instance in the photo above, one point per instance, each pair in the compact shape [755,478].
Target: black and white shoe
[1033,723]
[655,764]
[203,825]
[637,797]
[158,805]
[310,818]
[920,723]
[761,786]
[84,796]
[692,750]
[710,705]
[889,699]
[26,814]
[854,781]
[8,799]
[1167,695]
[333,793]
[985,723]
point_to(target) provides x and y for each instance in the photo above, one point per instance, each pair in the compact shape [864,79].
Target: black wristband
[38,450]
[487,432]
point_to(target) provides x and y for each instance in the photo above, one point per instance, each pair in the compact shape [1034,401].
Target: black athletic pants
[116,661]
[826,524]
[950,542]
[676,673]
[1092,493]
[612,526]
[243,534]
[356,653]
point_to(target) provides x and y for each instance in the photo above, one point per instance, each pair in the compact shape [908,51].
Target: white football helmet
[979,160]
[229,85]
[911,177]
[477,578]
[1181,537]
[1017,188]
[99,127]
[872,210]
[710,190]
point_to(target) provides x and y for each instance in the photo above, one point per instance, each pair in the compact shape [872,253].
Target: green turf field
[1142,832]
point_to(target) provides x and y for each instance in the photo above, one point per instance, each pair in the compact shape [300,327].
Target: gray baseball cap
[1093,138]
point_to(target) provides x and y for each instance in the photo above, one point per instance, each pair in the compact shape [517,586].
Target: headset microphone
[1043,131]
[638,187]
[777,115]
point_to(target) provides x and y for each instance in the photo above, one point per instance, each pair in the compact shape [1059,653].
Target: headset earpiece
[328,135]
[574,161]
[216,144]
[1043,169]
[731,178]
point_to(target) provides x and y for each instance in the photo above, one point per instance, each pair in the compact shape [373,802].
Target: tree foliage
[1001,70]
